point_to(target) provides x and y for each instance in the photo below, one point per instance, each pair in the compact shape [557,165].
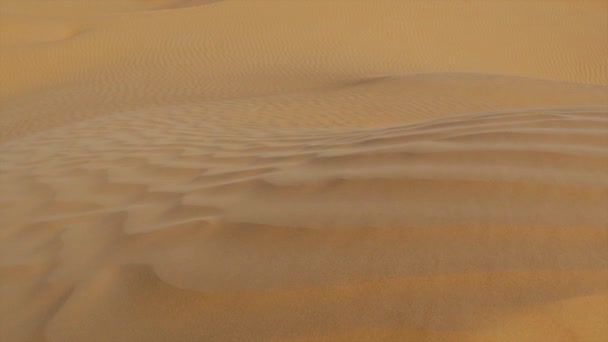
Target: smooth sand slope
[303,170]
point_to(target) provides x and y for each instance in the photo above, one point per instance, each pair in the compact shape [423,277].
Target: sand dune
[303,170]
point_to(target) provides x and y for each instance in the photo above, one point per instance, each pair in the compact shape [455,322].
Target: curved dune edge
[367,102]
[271,316]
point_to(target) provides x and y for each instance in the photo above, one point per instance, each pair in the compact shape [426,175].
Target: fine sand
[299,170]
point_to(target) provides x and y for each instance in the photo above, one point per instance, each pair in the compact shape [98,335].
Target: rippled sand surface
[294,170]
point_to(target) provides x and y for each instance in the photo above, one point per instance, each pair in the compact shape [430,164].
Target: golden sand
[297,170]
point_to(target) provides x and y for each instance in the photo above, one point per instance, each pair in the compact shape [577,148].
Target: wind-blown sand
[303,170]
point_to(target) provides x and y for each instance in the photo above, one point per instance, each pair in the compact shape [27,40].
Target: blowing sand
[302,170]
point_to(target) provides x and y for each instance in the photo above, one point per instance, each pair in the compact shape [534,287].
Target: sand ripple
[196,170]
[120,218]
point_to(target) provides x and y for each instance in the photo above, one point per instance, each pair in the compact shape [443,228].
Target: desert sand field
[304,170]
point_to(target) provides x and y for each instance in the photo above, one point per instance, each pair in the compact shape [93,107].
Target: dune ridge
[303,170]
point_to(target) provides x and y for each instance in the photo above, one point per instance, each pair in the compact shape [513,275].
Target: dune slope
[303,170]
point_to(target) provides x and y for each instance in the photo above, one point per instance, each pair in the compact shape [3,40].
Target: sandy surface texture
[299,170]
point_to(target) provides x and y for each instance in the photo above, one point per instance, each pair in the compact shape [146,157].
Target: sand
[294,170]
